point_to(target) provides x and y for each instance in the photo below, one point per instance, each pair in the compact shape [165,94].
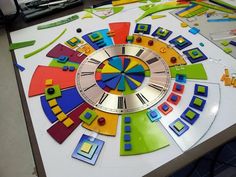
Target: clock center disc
[123,78]
[122,75]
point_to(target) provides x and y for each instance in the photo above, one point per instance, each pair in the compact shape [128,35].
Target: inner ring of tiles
[122,74]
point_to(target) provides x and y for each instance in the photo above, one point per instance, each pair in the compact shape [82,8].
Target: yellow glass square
[68,122]
[73,40]
[52,103]
[180,40]
[56,110]
[48,82]
[61,116]
[86,147]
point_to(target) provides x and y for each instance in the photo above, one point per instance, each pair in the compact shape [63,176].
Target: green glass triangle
[145,136]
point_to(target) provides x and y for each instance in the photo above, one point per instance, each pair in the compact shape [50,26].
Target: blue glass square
[233,43]
[181,45]
[128,147]
[71,68]
[178,87]
[127,128]
[94,35]
[127,137]
[142,28]
[186,118]
[91,152]
[165,107]
[200,108]
[179,133]
[127,120]
[65,68]
[195,60]
[88,115]
[195,53]
[180,78]
[197,92]
[63,59]
[194,30]
[174,97]
[91,140]
[163,37]
[153,115]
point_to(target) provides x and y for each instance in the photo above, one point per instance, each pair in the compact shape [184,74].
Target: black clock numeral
[123,50]
[152,60]
[142,98]
[160,72]
[122,103]
[89,87]
[139,52]
[86,73]
[107,53]
[157,87]
[91,60]
[102,99]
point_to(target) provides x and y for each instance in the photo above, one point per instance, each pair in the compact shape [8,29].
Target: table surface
[186,157]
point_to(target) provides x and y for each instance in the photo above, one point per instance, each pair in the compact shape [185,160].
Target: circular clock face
[123,78]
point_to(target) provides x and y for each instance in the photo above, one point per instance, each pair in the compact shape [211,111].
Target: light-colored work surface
[134,163]
[109,162]
[16,154]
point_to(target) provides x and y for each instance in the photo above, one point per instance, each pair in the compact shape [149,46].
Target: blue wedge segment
[106,77]
[136,69]
[126,62]
[132,85]
[121,86]
[137,77]
[113,82]
[116,62]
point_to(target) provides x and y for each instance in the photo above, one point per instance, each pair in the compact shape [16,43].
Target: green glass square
[147,73]
[142,27]
[161,33]
[178,125]
[225,43]
[56,94]
[91,152]
[72,43]
[190,114]
[130,38]
[227,50]
[96,36]
[197,102]
[86,147]
[201,89]
[180,41]
[193,55]
[91,119]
